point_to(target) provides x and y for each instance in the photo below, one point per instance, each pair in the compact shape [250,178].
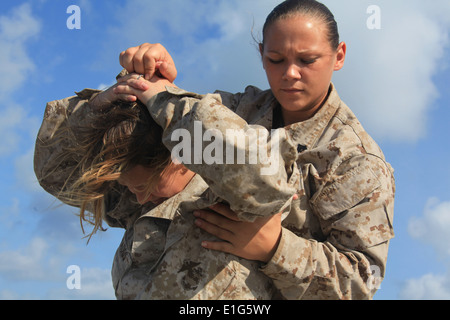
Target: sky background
[396,79]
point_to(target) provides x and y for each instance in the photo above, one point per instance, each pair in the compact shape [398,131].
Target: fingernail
[204,244]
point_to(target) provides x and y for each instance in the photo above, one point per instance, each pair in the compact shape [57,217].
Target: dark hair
[310,8]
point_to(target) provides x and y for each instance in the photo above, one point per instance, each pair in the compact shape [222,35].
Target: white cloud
[25,176]
[10,214]
[211,42]
[25,263]
[387,79]
[16,29]
[42,262]
[428,287]
[10,120]
[95,284]
[388,76]
[432,228]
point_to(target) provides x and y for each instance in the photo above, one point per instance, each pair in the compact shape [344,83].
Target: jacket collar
[305,134]
[189,197]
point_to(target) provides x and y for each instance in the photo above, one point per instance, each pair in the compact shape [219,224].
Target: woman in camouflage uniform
[109,160]
[331,242]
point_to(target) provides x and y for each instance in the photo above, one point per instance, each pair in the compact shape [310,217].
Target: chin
[158,201]
[293,106]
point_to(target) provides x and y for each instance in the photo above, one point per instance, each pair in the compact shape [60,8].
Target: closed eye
[308,61]
[273,61]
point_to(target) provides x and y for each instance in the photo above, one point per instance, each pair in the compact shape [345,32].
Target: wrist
[155,87]
[267,257]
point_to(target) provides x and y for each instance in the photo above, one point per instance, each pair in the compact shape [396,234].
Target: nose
[292,72]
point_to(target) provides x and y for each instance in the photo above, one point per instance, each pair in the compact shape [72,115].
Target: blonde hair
[113,142]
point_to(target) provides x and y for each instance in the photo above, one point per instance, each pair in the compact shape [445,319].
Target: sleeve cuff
[290,260]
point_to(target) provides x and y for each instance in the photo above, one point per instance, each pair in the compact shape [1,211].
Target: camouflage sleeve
[356,212]
[55,163]
[252,169]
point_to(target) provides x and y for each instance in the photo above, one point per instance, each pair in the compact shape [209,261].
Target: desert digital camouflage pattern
[160,256]
[335,237]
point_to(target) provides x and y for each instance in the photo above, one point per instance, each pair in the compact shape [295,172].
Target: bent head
[123,145]
[169,182]
[300,51]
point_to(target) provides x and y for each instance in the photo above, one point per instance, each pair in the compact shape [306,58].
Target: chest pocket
[345,192]
[149,240]
[355,209]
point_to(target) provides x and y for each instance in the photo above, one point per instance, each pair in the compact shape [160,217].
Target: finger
[168,71]
[156,58]
[216,219]
[120,95]
[127,97]
[219,246]
[139,60]
[149,64]
[225,210]
[133,79]
[126,90]
[139,84]
[214,230]
[126,58]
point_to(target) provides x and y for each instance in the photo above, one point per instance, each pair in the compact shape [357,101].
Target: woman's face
[299,62]
[171,182]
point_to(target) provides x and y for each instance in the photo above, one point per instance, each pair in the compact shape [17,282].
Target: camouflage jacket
[160,256]
[335,237]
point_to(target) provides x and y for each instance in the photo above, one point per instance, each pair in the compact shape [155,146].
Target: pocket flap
[345,192]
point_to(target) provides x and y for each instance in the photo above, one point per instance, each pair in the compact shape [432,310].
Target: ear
[261,52]
[340,56]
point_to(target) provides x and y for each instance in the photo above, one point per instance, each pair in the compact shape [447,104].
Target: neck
[290,117]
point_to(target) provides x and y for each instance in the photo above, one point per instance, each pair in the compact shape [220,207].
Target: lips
[292,90]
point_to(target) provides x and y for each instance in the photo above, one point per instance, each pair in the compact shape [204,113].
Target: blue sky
[395,79]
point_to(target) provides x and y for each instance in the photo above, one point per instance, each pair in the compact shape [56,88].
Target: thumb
[167,70]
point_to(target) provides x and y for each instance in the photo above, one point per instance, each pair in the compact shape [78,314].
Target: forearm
[346,257]
[229,154]
[307,269]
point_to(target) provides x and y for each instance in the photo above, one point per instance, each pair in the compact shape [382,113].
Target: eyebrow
[298,52]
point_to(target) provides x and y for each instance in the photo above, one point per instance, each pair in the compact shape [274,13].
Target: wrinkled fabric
[160,255]
[163,259]
[335,237]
